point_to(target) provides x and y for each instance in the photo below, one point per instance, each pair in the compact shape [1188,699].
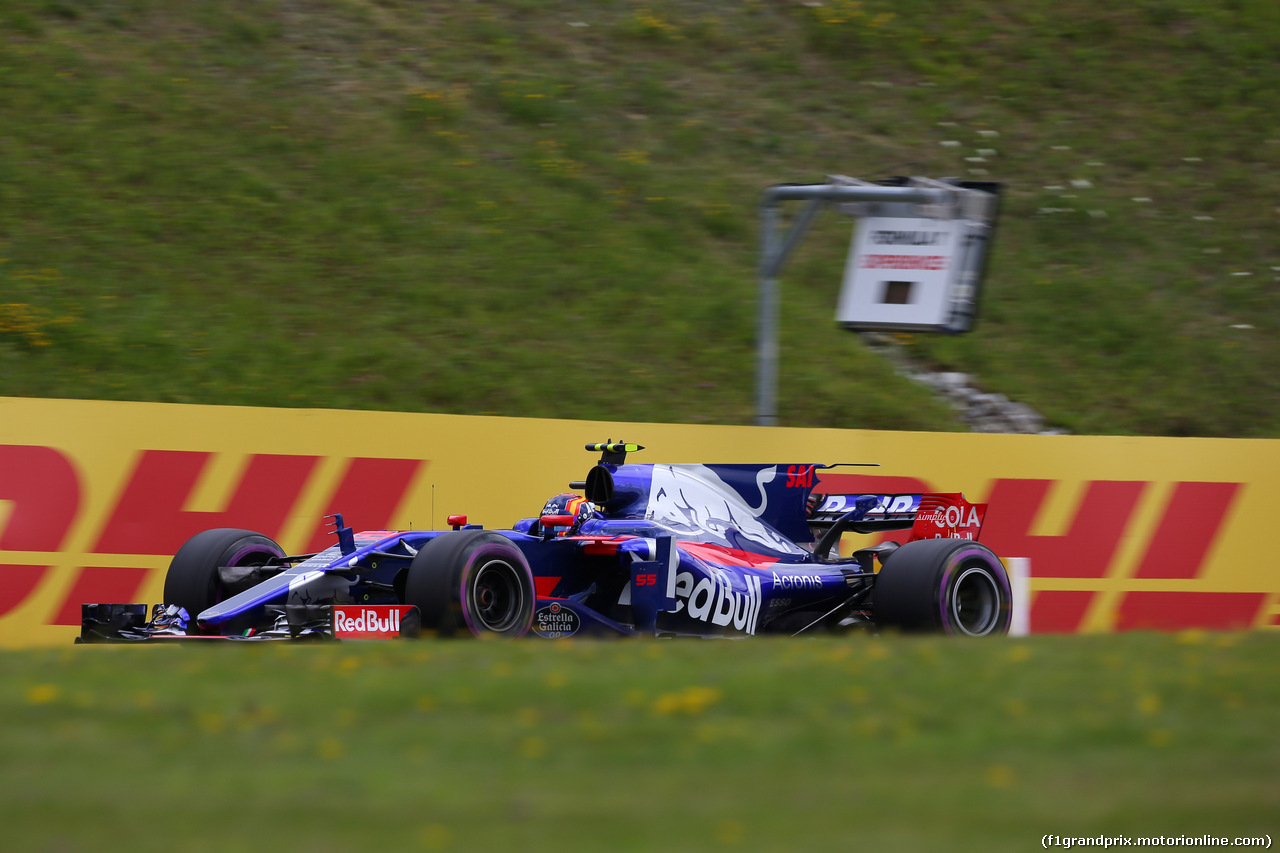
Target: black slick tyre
[472,581]
[193,581]
[952,586]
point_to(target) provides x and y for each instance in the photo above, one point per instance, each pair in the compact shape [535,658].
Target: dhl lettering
[43,487]
[1088,546]
[1168,611]
[148,517]
[368,496]
[45,491]
[1059,611]
[16,583]
[99,585]
[1190,526]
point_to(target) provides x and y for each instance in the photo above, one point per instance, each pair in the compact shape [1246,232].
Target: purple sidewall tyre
[193,581]
[951,586]
[473,582]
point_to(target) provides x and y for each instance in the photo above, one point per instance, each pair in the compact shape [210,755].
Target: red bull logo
[352,621]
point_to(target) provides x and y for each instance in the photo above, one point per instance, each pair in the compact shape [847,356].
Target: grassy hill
[549,208]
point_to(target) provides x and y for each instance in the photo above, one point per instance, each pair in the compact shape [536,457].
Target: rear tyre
[473,581]
[193,581]
[952,586]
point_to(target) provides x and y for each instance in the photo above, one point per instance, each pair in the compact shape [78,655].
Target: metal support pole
[775,250]
[767,322]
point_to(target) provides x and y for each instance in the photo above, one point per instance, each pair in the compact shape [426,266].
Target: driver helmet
[573,505]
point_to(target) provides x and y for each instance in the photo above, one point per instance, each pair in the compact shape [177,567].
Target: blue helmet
[573,506]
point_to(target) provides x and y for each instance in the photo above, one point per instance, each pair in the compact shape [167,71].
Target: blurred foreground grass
[882,743]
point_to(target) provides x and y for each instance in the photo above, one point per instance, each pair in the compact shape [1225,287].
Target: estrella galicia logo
[555,621]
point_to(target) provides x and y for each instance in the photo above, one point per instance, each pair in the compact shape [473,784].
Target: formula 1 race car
[652,549]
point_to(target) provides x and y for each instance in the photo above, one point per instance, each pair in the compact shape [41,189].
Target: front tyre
[953,586]
[193,581]
[475,581]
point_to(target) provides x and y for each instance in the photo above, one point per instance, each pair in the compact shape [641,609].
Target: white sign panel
[900,273]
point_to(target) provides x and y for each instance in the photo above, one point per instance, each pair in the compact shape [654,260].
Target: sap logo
[713,600]
[796,581]
[800,476]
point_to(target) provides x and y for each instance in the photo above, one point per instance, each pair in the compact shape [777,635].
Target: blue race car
[634,549]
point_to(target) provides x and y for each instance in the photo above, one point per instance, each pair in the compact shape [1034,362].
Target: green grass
[549,209]
[894,743]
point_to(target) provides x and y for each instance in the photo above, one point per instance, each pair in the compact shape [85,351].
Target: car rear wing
[928,516]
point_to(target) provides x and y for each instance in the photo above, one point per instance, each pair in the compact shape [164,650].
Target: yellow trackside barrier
[1121,533]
